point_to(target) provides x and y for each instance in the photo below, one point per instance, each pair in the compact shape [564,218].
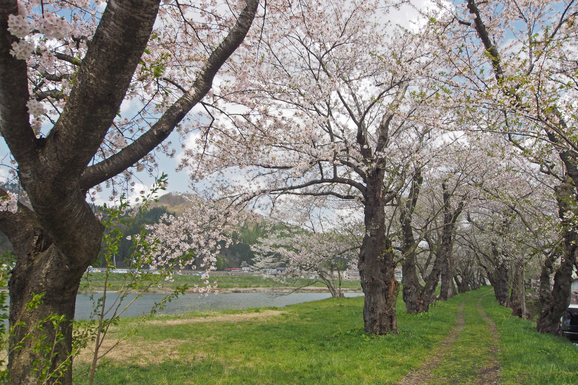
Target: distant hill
[174,202]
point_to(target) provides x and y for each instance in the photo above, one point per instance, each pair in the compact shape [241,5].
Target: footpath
[467,355]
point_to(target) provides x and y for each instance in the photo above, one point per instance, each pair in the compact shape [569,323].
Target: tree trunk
[379,286]
[334,291]
[554,303]
[42,349]
[463,284]
[516,295]
[376,264]
[415,302]
[43,288]
[499,281]
[445,250]
[412,289]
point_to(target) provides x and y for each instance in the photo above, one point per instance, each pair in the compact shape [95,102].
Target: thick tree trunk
[499,281]
[43,288]
[554,303]
[463,284]
[379,286]
[447,288]
[412,289]
[41,346]
[376,264]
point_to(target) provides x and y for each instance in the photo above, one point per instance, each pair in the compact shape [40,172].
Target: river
[192,302]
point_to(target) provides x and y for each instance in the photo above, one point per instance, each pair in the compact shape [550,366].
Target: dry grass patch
[139,352]
[135,351]
[217,317]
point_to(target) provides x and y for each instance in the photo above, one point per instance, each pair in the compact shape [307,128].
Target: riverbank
[94,283]
[273,290]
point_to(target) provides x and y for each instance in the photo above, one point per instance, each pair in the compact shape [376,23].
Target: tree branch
[165,125]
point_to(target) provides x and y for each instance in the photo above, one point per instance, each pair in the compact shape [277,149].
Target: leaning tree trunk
[376,264]
[553,303]
[335,291]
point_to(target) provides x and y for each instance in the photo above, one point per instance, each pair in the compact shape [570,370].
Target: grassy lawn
[528,357]
[323,343]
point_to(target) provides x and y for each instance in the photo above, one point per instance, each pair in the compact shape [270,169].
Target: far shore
[280,290]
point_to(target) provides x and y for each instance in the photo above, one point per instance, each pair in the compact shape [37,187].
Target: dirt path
[487,375]
[423,375]
[490,373]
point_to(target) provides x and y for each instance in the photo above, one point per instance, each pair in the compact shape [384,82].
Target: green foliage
[6,265]
[220,264]
[125,226]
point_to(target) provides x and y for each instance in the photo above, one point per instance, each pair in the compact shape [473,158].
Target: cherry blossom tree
[437,197]
[514,66]
[327,255]
[66,67]
[200,232]
[513,227]
[328,110]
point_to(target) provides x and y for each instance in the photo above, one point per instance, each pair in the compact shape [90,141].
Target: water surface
[192,302]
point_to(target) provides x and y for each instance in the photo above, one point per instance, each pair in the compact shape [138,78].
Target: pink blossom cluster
[35,108]
[18,25]
[53,26]
[319,253]
[195,235]
[21,25]
[9,202]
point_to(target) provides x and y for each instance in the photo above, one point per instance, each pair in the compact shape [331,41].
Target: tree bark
[553,303]
[413,291]
[499,281]
[40,348]
[517,300]
[376,264]
[447,288]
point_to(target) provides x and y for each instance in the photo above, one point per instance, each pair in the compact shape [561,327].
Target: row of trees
[450,136]
[379,115]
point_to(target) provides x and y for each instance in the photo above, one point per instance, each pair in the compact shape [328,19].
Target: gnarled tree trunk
[376,264]
[554,302]
[517,299]
[499,281]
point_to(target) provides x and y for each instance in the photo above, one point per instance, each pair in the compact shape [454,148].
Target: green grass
[470,352]
[323,342]
[528,357]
